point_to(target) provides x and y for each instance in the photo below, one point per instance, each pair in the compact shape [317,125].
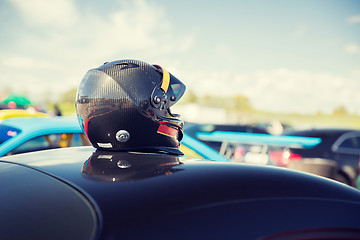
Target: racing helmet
[125,106]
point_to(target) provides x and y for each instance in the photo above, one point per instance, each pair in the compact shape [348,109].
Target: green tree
[340,111]
[242,103]
[69,96]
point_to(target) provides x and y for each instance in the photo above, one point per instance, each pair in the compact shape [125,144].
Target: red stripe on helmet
[167,130]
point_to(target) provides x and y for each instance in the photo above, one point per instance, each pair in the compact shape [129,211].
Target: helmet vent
[124,66]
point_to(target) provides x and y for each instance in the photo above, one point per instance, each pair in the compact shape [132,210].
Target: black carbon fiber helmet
[125,106]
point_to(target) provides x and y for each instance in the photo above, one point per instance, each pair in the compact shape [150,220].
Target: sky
[284,55]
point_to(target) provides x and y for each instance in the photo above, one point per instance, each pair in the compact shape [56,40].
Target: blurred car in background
[332,153]
[16,113]
[337,146]
[244,148]
[191,147]
[3,106]
[192,129]
[20,135]
[254,147]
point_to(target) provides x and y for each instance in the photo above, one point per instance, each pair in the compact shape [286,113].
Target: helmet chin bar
[173,119]
[174,115]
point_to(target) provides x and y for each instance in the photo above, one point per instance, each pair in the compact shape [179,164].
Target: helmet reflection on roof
[105,166]
[125,106]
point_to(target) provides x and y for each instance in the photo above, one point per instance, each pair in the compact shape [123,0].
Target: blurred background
[294,62]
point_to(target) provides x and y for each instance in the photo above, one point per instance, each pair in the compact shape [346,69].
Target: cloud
[352,48]
[354,19]
[28,63]
[58,42]
[59,13]
[300,30]
[282,90]
[131,28]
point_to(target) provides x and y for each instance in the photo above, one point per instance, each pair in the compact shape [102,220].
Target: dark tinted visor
[173,87]
[176,89]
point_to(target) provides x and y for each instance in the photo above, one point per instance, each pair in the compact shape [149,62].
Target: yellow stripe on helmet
[165,80]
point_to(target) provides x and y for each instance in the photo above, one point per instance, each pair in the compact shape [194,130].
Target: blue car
[20,135]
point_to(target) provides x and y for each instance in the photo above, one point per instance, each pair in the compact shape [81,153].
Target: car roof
[14,113]
[321,131]
[38,123]
[135,193]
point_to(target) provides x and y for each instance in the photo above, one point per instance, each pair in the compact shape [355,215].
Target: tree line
[239,103]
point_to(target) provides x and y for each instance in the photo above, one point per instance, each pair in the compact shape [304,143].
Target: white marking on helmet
[105,145]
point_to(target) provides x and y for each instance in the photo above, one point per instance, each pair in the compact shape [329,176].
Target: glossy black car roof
[156,196]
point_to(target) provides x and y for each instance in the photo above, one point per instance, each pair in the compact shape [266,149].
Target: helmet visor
[170,89]
[176,90]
